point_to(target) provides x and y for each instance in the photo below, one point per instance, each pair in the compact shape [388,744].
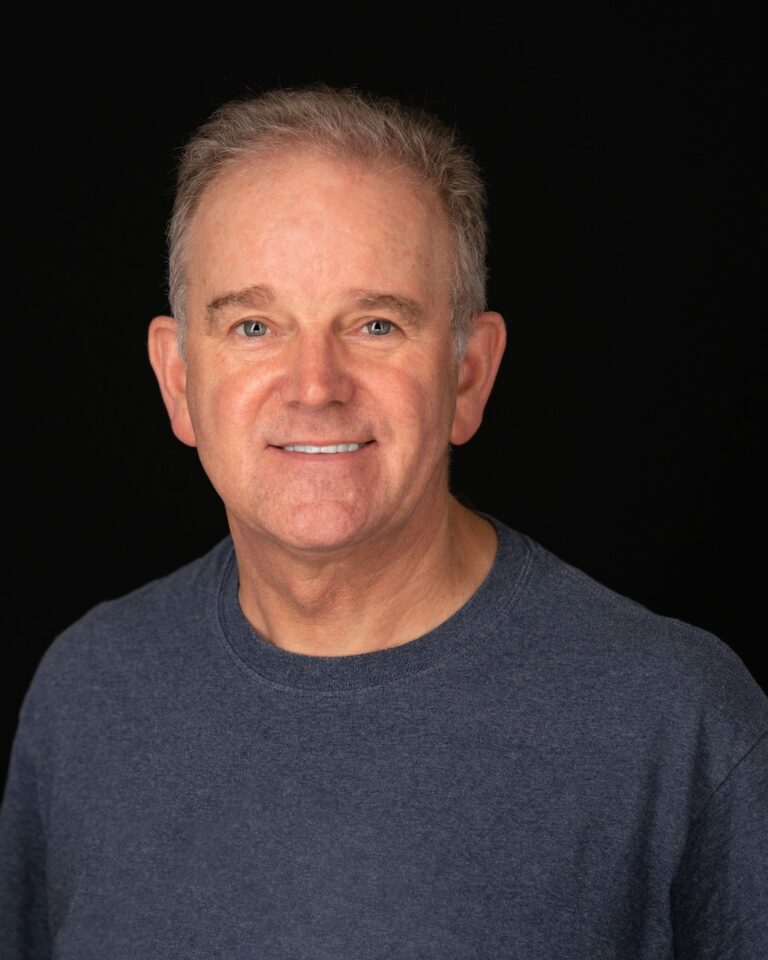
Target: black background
[626,169]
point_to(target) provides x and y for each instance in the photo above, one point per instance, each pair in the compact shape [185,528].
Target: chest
[348,833]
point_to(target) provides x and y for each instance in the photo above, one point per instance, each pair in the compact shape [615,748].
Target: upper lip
[318,443]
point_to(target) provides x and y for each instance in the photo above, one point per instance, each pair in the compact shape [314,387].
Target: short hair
[375,131]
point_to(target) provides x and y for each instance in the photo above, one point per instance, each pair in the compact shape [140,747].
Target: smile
[330,448]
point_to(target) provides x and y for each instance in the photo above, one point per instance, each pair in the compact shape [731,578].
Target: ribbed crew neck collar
[336,674]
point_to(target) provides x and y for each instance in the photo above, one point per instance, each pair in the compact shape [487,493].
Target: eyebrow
[376,300]
[251,297]
[259,296]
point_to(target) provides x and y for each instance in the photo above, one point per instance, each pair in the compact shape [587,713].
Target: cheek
[224,406]
[418,411]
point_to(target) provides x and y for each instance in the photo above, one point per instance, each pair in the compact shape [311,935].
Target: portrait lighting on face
[319,338]
[370,720]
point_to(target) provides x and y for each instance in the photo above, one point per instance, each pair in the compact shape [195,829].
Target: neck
[365,598]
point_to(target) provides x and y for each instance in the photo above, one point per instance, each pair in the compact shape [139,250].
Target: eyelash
[387,323]
[252,323]
[260,323]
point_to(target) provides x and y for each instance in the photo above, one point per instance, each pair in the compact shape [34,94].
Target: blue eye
[254,328]
[379,328]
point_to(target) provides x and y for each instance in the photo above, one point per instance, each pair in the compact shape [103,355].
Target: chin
[322,527]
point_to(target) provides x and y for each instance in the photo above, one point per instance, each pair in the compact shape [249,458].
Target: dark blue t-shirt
[554,772]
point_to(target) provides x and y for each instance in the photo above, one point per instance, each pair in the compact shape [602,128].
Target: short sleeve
[720,894]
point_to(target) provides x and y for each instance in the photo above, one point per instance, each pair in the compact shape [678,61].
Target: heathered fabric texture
[554,772]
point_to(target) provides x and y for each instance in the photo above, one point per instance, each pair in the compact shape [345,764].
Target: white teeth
[332,448]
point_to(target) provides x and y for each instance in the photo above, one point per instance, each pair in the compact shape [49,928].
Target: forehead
[319,223]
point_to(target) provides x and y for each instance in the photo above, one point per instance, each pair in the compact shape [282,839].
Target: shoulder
[141,633]
[164,604]
[661,698]
[632,666]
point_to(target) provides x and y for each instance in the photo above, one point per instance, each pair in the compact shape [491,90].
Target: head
[378,133]
[330,341]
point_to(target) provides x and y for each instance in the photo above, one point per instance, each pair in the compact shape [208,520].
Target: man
[372,723]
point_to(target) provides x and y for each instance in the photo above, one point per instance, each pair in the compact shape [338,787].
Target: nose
[317,375]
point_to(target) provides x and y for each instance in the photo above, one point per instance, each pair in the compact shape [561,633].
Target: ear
[476,374]
[171,372]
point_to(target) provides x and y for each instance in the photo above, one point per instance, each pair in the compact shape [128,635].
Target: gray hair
[376,131]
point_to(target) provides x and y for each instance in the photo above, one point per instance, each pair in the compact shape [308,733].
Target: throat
[359,604]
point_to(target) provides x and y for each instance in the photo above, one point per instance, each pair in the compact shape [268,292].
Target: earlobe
[477,373]
[171,372]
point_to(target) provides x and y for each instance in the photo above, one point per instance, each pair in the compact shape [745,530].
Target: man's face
[319,317]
